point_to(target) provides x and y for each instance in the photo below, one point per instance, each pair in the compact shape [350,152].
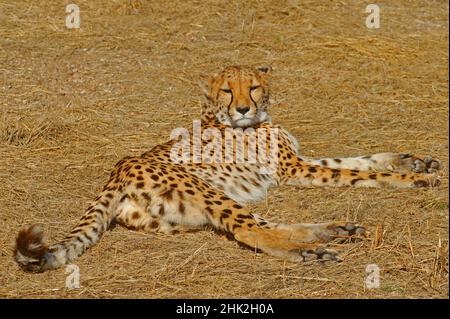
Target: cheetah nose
[243,110]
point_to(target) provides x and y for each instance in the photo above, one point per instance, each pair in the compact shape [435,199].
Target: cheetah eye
[252,88]
[228,91]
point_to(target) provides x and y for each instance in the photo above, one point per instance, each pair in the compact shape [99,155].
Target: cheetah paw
[348,229]
[428,180]
[341,232]
[426,165]
[320,254]
[346,232]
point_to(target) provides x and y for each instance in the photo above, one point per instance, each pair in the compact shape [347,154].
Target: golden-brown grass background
[73,102]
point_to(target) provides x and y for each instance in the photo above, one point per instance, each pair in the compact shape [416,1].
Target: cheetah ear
[205,82]
[264,70]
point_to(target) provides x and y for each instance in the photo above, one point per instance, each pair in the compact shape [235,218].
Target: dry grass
[73,102]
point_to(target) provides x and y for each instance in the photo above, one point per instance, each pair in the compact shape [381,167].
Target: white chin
[243,122]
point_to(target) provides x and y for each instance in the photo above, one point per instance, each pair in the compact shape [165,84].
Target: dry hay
[73,102]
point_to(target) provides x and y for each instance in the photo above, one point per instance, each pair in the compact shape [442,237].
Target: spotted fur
[152,193]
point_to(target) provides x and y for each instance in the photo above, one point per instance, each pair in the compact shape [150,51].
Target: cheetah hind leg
[334,232]
[139,215]
[300,242]
[319,233]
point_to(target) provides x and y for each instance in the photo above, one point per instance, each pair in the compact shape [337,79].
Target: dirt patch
[73,102]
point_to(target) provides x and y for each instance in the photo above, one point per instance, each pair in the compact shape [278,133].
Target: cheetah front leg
[380,162]
[297,172]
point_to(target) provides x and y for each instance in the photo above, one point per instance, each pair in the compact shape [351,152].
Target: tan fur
[152,193]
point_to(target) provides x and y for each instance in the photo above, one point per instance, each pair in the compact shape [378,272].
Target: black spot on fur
[181,208]
[146,196]
[105,203]
[223,216]
[168,194]
[135,215]
[336,173]
[154,224]
[140,185]
[354,181]
[234,227]
[263,223]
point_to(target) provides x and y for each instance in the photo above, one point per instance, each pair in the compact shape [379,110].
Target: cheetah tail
[32,254]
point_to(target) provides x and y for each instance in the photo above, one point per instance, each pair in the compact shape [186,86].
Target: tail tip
[30,251]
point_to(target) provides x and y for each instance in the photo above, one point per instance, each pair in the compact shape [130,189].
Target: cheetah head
[238,96]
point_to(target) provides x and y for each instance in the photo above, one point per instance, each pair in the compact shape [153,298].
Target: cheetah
[155,193]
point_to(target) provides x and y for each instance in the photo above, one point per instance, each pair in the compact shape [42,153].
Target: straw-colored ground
[73,102]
